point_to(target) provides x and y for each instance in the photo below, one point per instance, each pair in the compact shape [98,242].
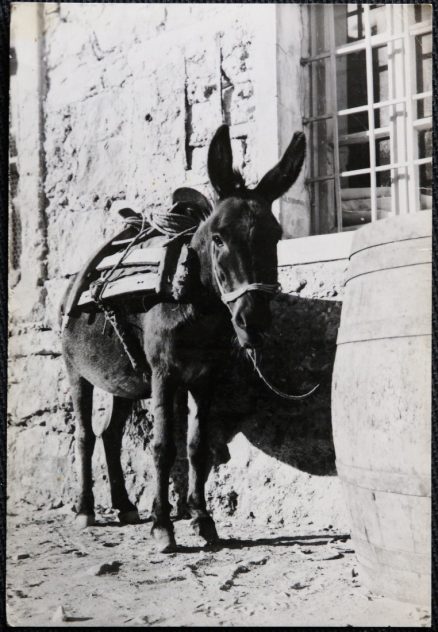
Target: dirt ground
[257,576]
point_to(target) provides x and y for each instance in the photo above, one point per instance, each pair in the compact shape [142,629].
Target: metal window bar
[398,165]
[411,134]
[400,155]
[313,131]
[390,49]
[364,108]
[363,137]
[376,40]
[421,28]
[422,124]
[370,97]
[335,139]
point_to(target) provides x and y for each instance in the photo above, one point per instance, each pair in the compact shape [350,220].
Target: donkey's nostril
[240,319]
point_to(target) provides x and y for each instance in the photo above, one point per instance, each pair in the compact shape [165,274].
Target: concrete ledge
[314,249]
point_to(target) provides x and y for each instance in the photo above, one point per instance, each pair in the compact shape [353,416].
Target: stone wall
[115,105]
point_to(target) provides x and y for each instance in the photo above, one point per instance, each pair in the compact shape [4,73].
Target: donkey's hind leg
[197,452]
[82,396]
[112,442]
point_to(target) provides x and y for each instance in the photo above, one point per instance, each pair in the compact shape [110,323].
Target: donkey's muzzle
[251,318]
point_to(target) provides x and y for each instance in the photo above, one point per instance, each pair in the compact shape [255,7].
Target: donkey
[232,270]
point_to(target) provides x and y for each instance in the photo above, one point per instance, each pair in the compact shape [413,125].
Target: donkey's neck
[201,244]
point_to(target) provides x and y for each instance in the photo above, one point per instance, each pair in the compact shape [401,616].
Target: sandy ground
[257,576]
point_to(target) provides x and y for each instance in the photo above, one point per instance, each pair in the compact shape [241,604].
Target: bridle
[229,297]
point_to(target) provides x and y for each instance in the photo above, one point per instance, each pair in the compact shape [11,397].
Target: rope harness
[254,355]
[171,224]
[133,351]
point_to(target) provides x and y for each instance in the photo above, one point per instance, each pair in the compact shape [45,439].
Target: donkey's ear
[281,177]
[220,163]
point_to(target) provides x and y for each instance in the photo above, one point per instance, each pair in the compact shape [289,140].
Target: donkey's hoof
[129,517]
[205,527]
[164,540]
[84,520]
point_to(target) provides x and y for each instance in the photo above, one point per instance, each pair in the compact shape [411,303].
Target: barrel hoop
[352,341]
[412,327]
[392,241]
[388,557]
[378,480]
[406,265]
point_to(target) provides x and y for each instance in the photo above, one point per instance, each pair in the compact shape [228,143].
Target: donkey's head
[242,235]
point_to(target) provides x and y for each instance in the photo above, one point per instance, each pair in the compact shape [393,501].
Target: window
[370,113]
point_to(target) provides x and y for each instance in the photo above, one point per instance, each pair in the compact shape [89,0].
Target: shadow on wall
[299,353]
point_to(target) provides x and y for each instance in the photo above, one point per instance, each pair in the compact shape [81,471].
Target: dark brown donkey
[232,277]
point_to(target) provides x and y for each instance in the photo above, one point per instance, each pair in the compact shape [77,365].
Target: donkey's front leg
[197,452]
[163,394]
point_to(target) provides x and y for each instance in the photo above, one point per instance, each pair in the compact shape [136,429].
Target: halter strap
[228,297]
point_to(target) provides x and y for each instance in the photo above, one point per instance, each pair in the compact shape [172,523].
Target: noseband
[229,297]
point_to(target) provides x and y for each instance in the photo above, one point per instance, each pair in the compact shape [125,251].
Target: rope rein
[253,355]
[228,297]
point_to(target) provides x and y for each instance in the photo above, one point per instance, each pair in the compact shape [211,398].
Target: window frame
[404,161]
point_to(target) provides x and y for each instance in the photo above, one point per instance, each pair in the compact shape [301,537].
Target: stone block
[67,41]
[315,280]
[72,82]
[39,466]
[88,14]
[34,383]
[237,57]
[73,239]
[34,342]
[199,163]
[26,299]
[205,117]
[55,290]
[202,71]
[241,109]
[115,30]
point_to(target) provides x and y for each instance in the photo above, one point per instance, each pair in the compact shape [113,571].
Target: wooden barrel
[381,404]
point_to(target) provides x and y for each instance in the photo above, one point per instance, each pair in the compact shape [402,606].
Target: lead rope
[253,355]
[228,297]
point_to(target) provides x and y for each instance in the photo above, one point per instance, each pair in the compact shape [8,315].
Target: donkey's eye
[218,241]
